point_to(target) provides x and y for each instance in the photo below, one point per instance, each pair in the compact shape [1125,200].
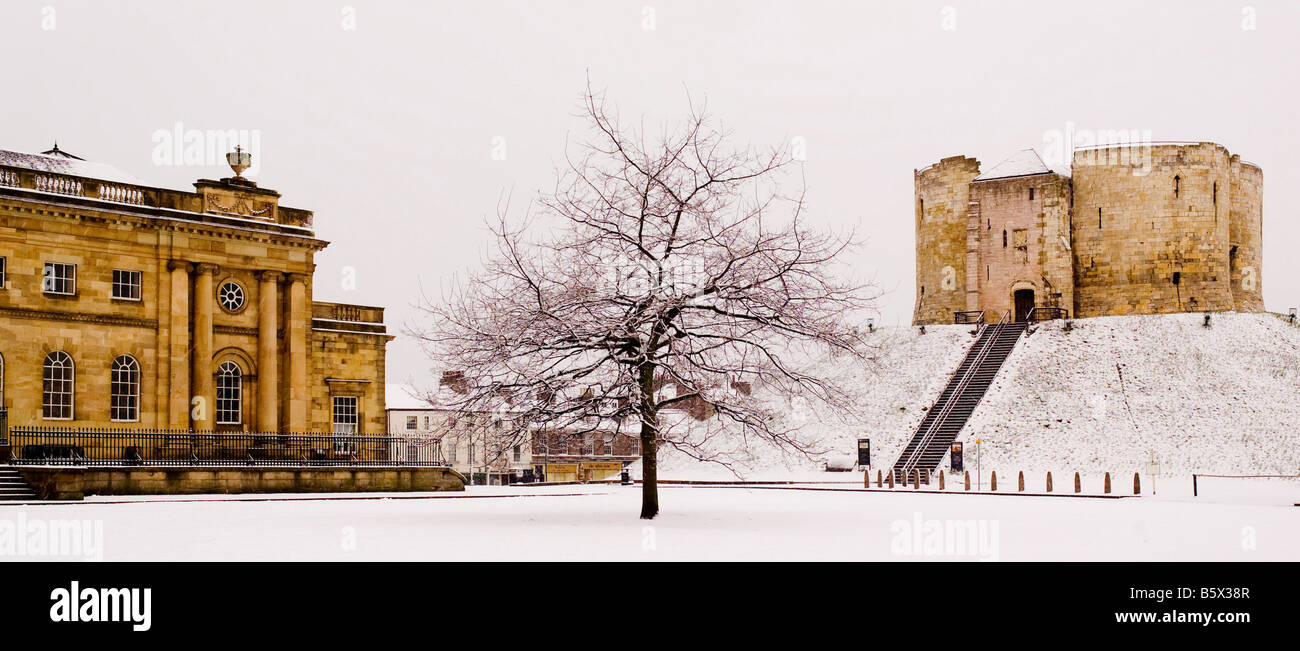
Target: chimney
[455,380]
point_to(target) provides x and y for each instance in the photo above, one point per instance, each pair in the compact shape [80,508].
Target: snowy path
[698,523]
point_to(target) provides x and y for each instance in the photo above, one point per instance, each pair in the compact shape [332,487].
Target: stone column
[295,331]
[201,383]
[178,412]
[268,380]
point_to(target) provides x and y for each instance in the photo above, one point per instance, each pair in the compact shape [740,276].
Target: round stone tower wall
[942,200]
[1245,236]
[1150,229]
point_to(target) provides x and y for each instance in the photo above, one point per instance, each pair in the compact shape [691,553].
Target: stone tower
[1245,235]
[1020,215]
[942,202]
[1151,229]
[1138,229]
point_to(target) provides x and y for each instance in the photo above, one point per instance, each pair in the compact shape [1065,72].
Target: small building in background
[480,446]
[475,444]
[576,454]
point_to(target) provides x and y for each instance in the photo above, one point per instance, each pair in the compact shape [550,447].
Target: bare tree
[680,263]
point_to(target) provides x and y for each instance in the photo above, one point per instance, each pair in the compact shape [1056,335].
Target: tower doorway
[1024,300]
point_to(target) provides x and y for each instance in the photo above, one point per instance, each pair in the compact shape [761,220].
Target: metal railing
[969,316]
[978,352]
[121,447]
[1046,314]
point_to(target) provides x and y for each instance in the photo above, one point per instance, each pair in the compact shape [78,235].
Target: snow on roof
[56,161]
[1025,162]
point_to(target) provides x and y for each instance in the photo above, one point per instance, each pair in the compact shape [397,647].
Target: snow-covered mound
[1101,396]
[1109,392]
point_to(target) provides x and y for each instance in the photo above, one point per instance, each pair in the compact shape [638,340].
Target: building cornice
[78,317]
[44,204]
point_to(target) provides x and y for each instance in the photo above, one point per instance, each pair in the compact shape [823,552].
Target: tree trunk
[649,445]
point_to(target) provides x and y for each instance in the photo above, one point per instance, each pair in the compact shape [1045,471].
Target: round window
[231,296]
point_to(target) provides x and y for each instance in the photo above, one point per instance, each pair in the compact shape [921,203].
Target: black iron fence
[122,447]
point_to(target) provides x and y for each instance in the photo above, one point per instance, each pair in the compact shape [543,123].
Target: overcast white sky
[387,130]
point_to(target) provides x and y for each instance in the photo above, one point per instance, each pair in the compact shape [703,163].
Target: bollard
[866,479]
[967,480]
[916,479]
[1049,481]
[891,478]
[940,480]
[879,481]
[1020,482]
[1078,487]
[1107,487]
[1137,484]
[993,481]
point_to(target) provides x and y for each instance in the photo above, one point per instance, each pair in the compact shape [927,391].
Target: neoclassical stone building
[1136,229]
[126,305]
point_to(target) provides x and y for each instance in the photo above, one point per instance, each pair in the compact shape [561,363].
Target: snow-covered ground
[1100,397]
[598,522]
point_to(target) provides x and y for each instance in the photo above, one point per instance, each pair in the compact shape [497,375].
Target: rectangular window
[346,416]
[126,285]
[59,279]
[1031,194]
[3,277]
[451,452]
[412,422]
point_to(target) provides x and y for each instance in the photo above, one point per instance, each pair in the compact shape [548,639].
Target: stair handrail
[1037,314]
[928,435]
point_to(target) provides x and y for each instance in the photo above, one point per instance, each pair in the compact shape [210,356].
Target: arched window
[230,394]
[57,386]
[124,390]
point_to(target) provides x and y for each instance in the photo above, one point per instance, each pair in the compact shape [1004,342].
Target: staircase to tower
[958,399]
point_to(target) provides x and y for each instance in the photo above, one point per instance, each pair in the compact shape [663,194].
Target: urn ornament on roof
[239,161]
